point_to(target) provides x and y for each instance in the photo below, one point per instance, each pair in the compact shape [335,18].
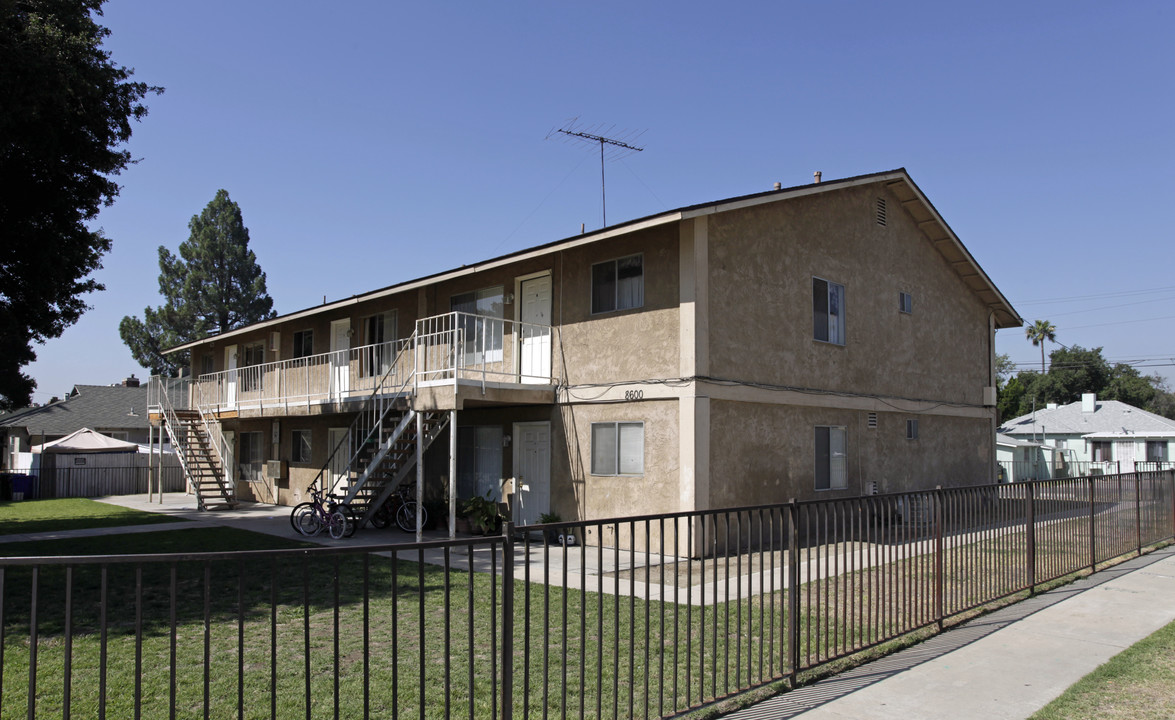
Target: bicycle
[311,518]
[402,507]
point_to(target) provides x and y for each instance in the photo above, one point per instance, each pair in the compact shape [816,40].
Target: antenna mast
[618,147]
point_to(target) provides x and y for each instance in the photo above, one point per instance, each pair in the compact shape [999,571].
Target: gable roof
[1110,418]
[101,406]
[897,181]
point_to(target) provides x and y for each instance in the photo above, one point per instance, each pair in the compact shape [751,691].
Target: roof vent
[130,382]
[778,186]
[816,176]
[881,211]
[1088,402]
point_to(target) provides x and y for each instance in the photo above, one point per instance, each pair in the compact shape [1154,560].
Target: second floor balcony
[449,360]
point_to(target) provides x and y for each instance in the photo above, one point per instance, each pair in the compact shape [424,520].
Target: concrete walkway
[1005,665]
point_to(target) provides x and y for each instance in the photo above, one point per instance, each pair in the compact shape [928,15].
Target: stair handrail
[375,409]
[218,444]
[172,420]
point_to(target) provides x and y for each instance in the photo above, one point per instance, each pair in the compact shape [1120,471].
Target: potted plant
[551,533]
[482,513]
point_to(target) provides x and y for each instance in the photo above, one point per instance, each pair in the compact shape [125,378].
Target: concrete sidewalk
[1008,664]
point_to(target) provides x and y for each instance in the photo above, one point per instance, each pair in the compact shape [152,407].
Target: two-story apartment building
[817,341]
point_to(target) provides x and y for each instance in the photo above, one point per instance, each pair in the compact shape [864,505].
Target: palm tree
[1038,332]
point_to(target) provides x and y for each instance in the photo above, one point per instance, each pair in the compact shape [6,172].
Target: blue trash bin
[23,486]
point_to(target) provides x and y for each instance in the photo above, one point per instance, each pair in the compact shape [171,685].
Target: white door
[535,333]
[340,459]
[1124,454]
[340,367]
[532,471]
[230,459]
[230,377]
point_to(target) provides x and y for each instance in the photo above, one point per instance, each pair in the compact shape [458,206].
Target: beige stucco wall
[763,453]
[761,264]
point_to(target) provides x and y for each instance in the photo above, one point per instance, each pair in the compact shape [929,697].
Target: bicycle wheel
[337,524]
[308,522]
[294,516]
[352,521]
[406,516]
[383,515]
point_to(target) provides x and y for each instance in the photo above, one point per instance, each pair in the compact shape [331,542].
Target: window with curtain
[479,461]
[618,284]
[300,452]
[831,458]
[618,448]
[828,311]
[378,332]
[482,323]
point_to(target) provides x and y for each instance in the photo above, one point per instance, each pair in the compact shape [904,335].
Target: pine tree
[215,285]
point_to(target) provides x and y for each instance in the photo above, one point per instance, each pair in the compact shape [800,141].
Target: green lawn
[34,516]
[1135,684]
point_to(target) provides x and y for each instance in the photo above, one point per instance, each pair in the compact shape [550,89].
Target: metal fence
[85,482]
[648,616]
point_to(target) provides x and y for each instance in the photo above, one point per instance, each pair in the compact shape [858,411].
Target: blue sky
[381,141]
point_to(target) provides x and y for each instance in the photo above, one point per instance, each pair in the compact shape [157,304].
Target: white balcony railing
[445,349]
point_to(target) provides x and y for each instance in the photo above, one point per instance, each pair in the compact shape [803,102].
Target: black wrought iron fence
[647,616]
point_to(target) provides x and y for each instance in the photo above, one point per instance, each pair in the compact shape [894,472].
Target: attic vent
[881,211]
[872,421]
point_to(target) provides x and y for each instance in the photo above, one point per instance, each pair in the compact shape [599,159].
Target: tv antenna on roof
[611,148]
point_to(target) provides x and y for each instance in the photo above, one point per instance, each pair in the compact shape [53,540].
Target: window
[303,343]
[379,335]
[618,284]
[828,311]
[251,460]
[830,458]
[125,436]
[481,320]
[479,461]
[618,448]
[254,355]
[911,429]
[906,302]
[1156,450]
[206,364]
[1101,450]
[301,448]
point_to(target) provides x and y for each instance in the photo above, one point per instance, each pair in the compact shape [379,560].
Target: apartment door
[230,376]
[336,443]
[532,471]
[534,335]
[340,367]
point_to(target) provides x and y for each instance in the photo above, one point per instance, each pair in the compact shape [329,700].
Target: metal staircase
[199,449]
[379,449]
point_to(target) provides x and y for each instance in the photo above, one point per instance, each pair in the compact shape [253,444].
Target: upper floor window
[379,335]
[828,311]
[303,343]
[618,448]
[912,429]
[618,284]
[906,302]
[207,364]
[481,323]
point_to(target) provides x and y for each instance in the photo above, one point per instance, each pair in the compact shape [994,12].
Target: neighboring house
[1102,436]
[826,340]
[117,411]
[1021,460]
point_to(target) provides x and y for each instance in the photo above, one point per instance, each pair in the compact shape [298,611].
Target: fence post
[1171,476]
[1138,510]
[1032,537]
[793,592]
[939,580]
[507,620]
[1092,528]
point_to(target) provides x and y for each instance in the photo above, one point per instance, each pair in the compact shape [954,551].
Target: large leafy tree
[65,118]
[1076,370]
[214,285]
